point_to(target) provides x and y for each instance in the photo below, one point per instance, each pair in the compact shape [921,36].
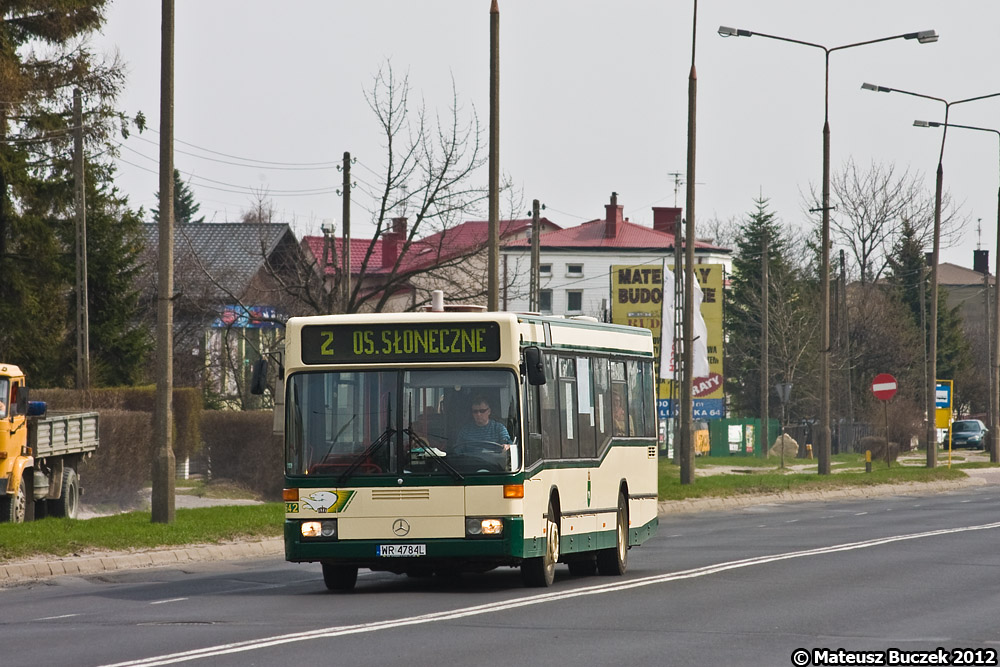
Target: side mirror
[534,365]
[258,380]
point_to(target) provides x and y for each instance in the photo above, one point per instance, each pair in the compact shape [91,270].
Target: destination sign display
[400,342]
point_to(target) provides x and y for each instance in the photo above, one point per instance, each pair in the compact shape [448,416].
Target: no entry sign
[884,386]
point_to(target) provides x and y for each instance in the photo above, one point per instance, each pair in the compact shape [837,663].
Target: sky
[593,99]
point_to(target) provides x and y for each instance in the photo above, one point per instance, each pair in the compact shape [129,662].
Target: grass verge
[134,530]
[762,476]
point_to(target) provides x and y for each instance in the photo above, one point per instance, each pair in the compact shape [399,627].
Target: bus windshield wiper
[372,448]
[434,454]
[336,438]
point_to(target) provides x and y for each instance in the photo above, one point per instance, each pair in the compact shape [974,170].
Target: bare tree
[261,211]
[424,189]
[871,205]
[721,232]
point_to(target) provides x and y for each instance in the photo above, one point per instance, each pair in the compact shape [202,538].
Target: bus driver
[483,428]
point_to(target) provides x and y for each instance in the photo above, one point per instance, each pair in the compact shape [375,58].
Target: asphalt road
[746,587]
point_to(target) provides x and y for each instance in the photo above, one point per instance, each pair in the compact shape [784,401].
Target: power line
[247,159]
[237,164]
[321,190]
[245,191]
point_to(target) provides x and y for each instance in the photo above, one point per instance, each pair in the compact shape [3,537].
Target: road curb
[19,572]
[669,507]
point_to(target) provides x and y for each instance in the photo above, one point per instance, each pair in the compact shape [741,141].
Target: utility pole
[536,248]
[82,312]
[846,339]
[687,386]
[678,325]
[765,387]
[493,252]
[346,215]
[164,462]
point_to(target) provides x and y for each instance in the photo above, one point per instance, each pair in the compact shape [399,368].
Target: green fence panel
[740,437]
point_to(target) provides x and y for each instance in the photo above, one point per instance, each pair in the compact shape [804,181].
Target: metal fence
[844,436]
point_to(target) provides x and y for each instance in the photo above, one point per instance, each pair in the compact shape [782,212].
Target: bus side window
[548,395]
[568,408]
[602,402]
[649,391]
[619,399]
[532,425]
[636,399]
[585,410]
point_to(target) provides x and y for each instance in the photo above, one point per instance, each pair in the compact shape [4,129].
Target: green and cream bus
[441,442]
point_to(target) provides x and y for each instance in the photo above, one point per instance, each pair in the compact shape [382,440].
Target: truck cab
[16,457]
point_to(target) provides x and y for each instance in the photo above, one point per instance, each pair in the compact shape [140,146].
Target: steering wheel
[481,446]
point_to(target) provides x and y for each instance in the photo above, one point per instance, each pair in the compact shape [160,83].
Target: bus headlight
[475,527]
[314,529]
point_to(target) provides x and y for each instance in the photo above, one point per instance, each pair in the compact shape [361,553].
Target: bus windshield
[455,422]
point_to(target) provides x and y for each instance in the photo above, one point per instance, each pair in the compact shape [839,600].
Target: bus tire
[614,562]
[68,503]
[540,572]
[14,507]
[339,577]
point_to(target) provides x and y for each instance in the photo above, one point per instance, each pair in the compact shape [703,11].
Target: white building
[575,263]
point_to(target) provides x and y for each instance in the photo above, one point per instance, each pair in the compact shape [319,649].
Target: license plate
[393,550]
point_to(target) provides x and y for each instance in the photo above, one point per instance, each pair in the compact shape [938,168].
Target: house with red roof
[397,272]
[575,262]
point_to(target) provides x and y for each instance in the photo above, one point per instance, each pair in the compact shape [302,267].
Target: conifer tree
[742,316]
[185,207]
[43,58]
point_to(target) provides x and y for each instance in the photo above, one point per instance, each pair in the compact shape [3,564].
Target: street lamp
[935,254]
[922,37]
[995,369]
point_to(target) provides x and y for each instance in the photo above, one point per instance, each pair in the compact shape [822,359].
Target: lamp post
[935,254]
[922,37]
[995,341]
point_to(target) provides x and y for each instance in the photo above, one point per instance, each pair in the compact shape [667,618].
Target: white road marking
[52,618]
[170,600]
[530,600]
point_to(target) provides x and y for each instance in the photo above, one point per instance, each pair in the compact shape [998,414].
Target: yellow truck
[39,453]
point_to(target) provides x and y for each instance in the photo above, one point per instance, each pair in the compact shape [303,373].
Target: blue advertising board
[703,408]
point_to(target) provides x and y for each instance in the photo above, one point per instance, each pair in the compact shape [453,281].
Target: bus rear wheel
[614,562]
[339,577]
[540,572]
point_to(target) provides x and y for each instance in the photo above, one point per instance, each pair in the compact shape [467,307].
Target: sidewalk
[23,571]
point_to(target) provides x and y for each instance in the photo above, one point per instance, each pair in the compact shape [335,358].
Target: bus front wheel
[540,572]
[614,562]
[339,577]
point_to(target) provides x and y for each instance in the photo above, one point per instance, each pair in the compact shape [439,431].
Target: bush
[187,404]
[241,448]
[121,466]
[876,446]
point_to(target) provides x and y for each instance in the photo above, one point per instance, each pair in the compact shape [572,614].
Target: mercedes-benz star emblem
[400,527]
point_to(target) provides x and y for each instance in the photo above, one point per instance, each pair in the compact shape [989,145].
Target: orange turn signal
[290,495]
[513,490]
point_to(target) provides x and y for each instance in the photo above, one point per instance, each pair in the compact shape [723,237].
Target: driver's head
[480,411]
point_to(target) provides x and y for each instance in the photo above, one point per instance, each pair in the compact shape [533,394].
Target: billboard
[637,300]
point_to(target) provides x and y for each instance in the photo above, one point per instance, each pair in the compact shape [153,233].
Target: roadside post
[942,410]
[784,390]
[884,388]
